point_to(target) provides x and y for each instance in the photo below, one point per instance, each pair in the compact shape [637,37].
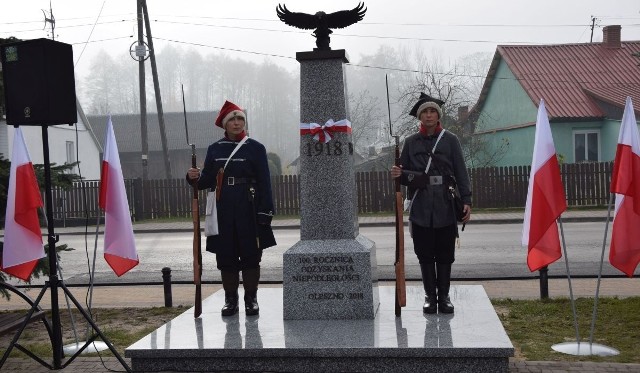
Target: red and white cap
[227,111]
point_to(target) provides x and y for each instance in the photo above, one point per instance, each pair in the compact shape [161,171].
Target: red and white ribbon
[323,133]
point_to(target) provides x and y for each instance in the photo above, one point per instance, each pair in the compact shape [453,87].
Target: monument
[327,316]
[331,272]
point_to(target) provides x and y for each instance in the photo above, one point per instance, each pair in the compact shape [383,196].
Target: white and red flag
[119,244]
[624,253]
[545,199]
[22,235]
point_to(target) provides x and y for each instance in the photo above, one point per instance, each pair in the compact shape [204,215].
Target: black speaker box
[39,84]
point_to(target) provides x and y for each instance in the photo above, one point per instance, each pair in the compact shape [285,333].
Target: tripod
[54,283]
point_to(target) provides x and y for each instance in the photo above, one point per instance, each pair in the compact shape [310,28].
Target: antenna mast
[51,19]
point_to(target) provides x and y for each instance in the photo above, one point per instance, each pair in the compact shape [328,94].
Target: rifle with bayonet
[401,286]
[195,212]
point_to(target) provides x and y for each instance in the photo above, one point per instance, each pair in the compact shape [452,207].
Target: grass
[532,325]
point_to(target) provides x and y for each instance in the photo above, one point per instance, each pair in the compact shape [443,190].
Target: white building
[67,144]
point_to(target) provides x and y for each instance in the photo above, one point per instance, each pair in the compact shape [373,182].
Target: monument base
[330,279]
[471,340]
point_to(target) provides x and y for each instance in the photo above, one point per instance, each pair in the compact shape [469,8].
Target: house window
[586,146]
[71,152]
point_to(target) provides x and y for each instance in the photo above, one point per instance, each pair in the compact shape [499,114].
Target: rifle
[195,212]
[401,286]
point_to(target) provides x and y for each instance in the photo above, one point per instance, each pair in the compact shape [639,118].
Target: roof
[571,78]
[126,127]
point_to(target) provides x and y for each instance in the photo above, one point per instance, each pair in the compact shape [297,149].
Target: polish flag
[624,253]
[22,236]
[545,199]
[119,244]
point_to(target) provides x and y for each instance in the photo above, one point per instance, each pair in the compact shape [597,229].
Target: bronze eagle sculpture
[321,22]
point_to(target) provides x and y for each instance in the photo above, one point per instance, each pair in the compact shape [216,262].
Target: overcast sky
[250,28]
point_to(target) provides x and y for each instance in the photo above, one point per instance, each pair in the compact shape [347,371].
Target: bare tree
[111,86]
[458,86]
[367,121]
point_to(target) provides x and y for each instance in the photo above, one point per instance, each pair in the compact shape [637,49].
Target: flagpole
[604,243]
[97,346]
[573,302]
[573,348]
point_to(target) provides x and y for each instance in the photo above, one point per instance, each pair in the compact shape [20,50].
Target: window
[586,146]
[71,152]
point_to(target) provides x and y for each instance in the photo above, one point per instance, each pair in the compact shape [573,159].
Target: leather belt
[240,180]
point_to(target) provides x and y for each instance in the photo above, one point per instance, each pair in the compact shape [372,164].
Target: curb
[389,223]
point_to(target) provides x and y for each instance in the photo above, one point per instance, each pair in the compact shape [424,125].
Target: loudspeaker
[39,84]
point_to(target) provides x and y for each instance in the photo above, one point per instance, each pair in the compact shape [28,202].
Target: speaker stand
[53,284]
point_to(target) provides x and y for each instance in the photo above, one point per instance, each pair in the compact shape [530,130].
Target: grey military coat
[432,206]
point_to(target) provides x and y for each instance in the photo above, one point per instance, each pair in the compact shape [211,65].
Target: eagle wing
[295,19]
[344,18]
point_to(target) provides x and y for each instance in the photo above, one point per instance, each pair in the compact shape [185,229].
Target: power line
[383,68]
[380,37]
[71,26]
[520,25]
[222,48]
[350,35]
[67,19]
[101,40]
[90,33]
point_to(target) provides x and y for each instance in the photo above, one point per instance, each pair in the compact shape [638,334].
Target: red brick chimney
[611,36]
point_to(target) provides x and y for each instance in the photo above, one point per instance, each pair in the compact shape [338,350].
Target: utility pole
[593,25]
[156,86]
[141,53]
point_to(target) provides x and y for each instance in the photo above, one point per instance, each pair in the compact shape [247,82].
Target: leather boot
[230,283]
[429,281]
[250,280]
[444,283]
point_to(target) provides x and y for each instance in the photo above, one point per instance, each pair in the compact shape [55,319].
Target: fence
[585,184]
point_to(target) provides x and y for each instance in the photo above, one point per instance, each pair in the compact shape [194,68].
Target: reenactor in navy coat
[245,207]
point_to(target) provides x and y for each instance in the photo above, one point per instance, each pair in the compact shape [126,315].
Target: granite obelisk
[331,272]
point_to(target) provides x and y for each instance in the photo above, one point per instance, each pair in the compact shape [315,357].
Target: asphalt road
[486,251]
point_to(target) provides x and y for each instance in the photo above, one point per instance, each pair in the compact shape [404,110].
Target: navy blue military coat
[246,204]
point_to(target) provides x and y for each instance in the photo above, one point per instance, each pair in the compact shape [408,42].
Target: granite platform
[471,340]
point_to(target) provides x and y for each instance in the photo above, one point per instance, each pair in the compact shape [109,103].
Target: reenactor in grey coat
[433,169]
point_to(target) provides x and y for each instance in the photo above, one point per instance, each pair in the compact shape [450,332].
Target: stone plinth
[471,340]
[330,279]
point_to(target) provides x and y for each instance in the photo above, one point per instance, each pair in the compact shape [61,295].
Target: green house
[584,87]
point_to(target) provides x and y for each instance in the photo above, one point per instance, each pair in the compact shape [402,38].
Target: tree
[453,85]
[368,98]
[61,176]
[275,165]
[367,121]
[112,87]
[477,151]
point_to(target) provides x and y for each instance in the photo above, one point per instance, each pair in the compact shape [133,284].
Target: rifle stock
[195,212]
[197,253]
[401,286]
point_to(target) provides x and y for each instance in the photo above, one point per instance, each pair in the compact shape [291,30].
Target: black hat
[430,101]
